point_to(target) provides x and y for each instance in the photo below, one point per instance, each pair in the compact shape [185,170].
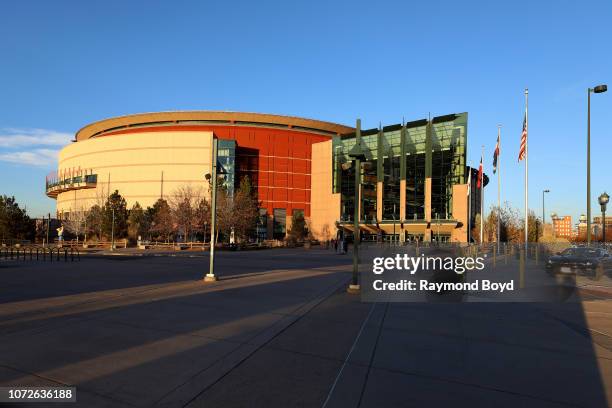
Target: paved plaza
[279,330]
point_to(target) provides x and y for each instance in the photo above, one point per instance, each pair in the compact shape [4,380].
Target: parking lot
[279,329]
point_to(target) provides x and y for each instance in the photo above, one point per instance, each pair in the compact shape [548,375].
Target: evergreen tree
[162,223]
[115,204]
[14,221]
[136,222]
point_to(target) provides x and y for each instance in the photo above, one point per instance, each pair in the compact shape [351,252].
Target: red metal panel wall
[279,160]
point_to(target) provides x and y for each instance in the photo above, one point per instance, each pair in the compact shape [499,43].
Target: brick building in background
[562,226]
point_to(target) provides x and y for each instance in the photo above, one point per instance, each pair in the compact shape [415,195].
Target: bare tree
[76,223]
[201,219]
[184,204]
[95,214]
[238,212]
[95,219]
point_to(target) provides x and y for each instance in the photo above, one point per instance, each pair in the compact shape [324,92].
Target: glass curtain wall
[448,135]
[369,178]
[448,163]
[344,177]
[280,223]
[226,158]
[414,146]
[391,156]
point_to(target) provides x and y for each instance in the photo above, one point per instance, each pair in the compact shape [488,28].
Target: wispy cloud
[35,157]
[31,147]
[11,138]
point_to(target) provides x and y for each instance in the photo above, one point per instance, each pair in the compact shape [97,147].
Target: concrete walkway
[280,331]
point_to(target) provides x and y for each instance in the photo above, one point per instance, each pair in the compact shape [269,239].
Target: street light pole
[603,221]
[603,201]
[210,276]
[48,226]
[113,232]
[543,212]
[358,156]
[597,89]
[394,222]
[356,234]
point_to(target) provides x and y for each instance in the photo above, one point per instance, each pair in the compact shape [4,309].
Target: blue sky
[65,64]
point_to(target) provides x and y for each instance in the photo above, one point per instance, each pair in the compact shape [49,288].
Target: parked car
[580,260]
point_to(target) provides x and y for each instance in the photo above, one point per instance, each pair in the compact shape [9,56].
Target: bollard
[522,269]
[506,253]
[494,256]
[65,255]
[58,255]
[78,255]
[37,254]
[71,254]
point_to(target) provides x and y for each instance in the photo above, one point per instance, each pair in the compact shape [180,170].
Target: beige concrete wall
[134,164]
[325,206]
[460,213]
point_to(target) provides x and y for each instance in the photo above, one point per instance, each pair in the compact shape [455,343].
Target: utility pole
[48,226]
[113,232]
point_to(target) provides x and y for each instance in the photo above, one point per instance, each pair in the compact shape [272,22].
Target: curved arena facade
[412,184]
[148,156]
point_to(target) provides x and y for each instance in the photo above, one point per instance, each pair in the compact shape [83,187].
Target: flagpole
[498,185]
[526,171]
[482,198]
[469,217]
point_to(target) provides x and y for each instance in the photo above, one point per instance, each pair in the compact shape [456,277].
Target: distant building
[597,226]
[562,226]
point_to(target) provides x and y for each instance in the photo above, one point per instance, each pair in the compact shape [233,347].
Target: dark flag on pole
[479,183]
[495,155]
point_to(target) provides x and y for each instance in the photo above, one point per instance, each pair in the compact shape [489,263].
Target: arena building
[412,183]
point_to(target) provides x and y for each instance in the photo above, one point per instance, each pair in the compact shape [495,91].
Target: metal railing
[49,254]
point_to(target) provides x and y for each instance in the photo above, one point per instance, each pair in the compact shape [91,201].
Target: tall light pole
[603,201]
[357,155]
[113,231]
[394,222]
[48,227]
[212,179]
[543,212]
[597,89]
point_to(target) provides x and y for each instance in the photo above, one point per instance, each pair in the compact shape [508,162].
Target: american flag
[495,154]
[479,183]
[523,148]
